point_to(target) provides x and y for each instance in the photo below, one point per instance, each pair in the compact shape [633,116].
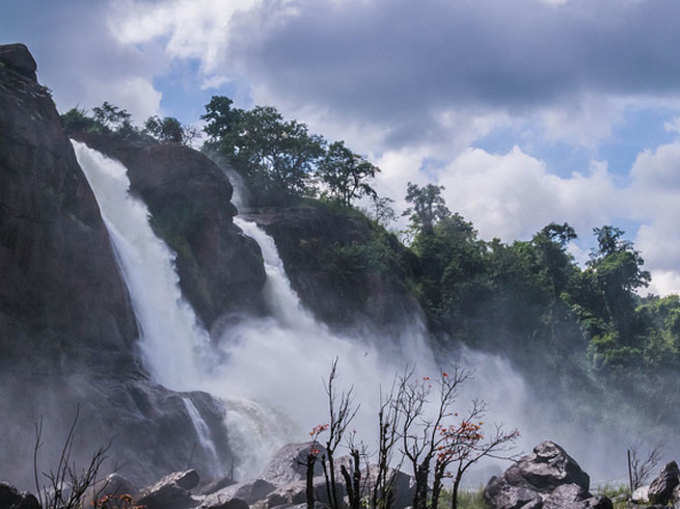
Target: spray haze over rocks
[200,337]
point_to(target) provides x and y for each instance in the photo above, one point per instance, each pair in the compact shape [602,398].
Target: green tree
[428,206]
[273,155]
[605,299]
[169,130]
[345,173]
[111,117]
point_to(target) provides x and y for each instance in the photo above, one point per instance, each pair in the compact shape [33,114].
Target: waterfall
[203,433]
[170,339]
[268,371]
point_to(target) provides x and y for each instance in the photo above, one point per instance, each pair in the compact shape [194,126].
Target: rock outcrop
[283,482]
[10,498]
[220,269]
[346,270]
[548,478]
[67,328]
[661,489]
[171,492]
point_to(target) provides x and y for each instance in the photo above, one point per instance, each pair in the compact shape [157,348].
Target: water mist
[269,371]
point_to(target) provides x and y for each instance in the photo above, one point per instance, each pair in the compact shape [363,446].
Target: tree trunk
[454,492]
[311,459]
[420,496]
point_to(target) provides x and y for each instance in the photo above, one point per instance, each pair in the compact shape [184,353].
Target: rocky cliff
[220,269]
[67,329]
[347,270]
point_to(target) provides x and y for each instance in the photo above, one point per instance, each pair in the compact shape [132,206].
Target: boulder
[295,492]
[403,487]
[234,503]
[289,464]
[11,498]
[217,485]
[548,478]
[641,495]
[19,59]
[114,485]
[661,488]
[257,490]
[566,496]
[171,492]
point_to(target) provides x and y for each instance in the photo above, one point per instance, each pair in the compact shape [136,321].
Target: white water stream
[270,370]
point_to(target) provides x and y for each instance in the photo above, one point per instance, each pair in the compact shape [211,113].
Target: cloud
[80,60]
[655,186]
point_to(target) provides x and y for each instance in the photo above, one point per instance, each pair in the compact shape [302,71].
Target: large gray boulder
[548,478]
[289,463]
[171,492]
[661,489]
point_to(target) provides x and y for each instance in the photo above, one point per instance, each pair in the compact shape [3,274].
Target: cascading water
[203,432]
[271,369]
[171,341]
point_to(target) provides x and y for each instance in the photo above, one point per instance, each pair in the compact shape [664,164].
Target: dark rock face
[19,59]
[10,498]
[255,491]
[661,489]
[67,328]
[220,269]
[325,255]
[234,503]
[62,297]
[549,478]
[167,496]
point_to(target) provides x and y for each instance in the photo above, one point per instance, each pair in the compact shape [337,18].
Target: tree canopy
[280,159]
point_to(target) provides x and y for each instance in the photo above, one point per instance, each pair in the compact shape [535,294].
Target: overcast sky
[527,111]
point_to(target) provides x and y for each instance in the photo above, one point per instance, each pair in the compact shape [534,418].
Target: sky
[526,111]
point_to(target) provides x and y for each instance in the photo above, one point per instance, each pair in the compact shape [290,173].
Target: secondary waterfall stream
[268,371]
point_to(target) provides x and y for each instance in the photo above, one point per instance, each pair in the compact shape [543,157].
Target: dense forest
[583,327]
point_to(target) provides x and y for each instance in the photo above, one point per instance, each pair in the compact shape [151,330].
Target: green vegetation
[585,328]
[112,120]
[467,499]
[281,161]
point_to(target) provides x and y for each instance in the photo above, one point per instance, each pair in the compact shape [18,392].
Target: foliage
[467,499]
[276,157]
[345,174]
[280,160]
[111,117]
[418,420]
[76,119]
[169,130]
[428,206]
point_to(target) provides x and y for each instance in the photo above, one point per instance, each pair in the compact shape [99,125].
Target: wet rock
[310,240]
[661,488]
[171,492]
[548,478]
[221,271]
[11,498]
[19,59]
[217,485]
[566,496]
[501,495]
[289,464]
[252,492]
[234,503]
